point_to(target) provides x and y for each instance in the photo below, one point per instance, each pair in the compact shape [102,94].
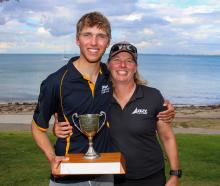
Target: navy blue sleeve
[47,104]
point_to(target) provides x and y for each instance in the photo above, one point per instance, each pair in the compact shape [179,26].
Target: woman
[134,130]
[134,123]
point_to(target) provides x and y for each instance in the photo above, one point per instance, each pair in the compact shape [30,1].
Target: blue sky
[164,27]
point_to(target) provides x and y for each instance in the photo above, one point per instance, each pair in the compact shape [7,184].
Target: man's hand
[61,129]
[55,164]
[168,115]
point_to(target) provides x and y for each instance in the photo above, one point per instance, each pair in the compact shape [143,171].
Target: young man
[82,86]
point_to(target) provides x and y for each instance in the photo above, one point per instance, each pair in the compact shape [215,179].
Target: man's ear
[108,43]
[107,64]
[77,41]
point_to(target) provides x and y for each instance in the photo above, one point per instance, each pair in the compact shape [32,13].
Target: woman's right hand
[173,181]
[61,129]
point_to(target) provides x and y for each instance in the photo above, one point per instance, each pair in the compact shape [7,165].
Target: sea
[185,80]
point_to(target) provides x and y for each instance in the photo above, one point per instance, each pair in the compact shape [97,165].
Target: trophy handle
[76,118]
[103,123]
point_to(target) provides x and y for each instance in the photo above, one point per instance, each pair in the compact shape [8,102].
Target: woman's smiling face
[122,67]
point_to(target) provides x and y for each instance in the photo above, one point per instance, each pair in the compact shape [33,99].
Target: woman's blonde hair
[138,79]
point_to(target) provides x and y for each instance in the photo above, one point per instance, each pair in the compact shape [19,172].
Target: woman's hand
[61,129]
[173,181]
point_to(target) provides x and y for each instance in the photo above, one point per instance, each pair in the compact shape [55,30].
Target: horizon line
[108,54]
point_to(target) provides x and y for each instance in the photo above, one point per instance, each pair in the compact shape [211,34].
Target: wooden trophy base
[107,163]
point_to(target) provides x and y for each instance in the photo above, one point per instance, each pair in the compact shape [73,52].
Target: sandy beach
[190,119]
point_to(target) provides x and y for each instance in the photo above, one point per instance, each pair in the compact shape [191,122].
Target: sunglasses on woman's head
[125,46]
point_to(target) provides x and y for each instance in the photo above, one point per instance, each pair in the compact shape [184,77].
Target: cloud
[155,27]
[2,20]
[131,17]
[148,31]
[42,31]
[4,45]
[1,1]
[147,44]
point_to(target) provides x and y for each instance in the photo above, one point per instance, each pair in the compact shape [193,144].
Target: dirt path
[195,120]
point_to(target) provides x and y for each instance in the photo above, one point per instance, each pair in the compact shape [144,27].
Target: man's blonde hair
[94,19]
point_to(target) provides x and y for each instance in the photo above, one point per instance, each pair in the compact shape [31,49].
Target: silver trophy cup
[89,125]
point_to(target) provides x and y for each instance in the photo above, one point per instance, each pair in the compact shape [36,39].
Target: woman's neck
[123,92]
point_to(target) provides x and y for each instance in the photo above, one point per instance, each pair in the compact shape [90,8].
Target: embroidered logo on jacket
[105,89]
[139,111]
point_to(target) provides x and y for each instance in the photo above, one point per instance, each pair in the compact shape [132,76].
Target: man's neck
[87,69]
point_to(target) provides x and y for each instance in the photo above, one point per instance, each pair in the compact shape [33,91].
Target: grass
[198,123]
[200,159]
[23,164]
